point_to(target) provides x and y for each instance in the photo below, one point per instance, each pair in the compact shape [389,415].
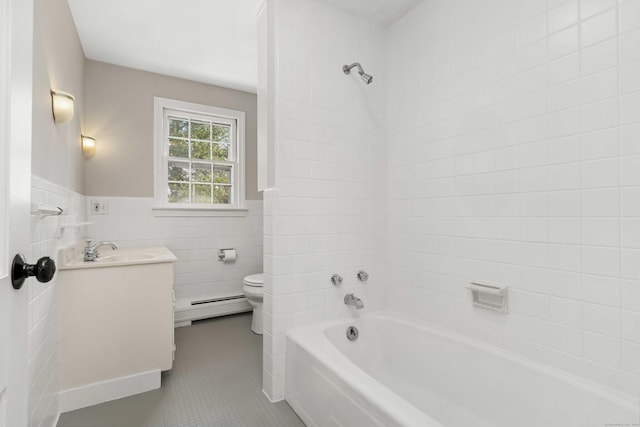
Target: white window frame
[162,206]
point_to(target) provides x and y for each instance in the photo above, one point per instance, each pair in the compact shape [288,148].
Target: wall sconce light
[62,105]
[88,146]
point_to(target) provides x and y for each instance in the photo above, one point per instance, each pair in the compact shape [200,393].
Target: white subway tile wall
[327,213]
[514,159]
[44,334]
[194,240]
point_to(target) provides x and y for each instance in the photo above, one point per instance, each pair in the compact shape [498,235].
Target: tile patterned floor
[216,381]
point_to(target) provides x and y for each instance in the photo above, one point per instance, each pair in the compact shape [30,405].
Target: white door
[16,50]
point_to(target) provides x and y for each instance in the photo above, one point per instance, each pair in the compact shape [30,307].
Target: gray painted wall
[119,114]
[56,156]
[58,63]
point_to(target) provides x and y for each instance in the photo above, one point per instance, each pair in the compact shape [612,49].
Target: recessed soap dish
[490,296]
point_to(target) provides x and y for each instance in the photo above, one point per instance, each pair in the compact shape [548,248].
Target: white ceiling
[383,12]
[210,41]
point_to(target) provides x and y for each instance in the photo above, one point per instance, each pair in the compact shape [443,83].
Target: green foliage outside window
[191,180]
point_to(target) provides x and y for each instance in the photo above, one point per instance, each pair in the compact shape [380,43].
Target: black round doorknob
[43,270]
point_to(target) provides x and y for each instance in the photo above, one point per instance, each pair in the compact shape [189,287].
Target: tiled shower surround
[514,158]
[499,142]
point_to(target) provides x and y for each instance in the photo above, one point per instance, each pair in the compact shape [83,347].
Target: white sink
[126,258]
[72,257]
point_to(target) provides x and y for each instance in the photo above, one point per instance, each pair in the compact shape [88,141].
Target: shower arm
[347,68]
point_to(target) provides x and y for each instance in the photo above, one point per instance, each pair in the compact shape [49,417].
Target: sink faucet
[91,252]
[351,299]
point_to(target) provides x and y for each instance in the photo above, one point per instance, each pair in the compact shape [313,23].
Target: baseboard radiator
[191,309]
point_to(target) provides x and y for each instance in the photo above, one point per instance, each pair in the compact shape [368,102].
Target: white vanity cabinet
[116,326]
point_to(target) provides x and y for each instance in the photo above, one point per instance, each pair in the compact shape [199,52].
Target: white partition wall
[327,212]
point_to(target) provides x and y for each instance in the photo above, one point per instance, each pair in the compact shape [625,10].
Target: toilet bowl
[253,292]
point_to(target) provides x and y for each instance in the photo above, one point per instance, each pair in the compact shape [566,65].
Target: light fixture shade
[62,105]
[88,146]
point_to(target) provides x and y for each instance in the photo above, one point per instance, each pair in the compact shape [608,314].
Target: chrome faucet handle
[336,280]
[363,276]
[90,253]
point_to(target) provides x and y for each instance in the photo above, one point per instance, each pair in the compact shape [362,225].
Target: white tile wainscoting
[130,222]
[46,239]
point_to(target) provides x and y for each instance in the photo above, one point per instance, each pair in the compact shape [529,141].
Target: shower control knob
[43,270]
[336,280]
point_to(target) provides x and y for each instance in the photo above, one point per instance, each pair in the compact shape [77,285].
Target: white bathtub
[403,373]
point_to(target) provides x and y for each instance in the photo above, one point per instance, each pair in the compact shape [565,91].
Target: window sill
[162,211]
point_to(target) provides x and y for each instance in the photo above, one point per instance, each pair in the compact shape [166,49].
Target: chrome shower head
[364,76]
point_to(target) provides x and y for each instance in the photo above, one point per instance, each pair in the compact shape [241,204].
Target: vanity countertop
[71,258]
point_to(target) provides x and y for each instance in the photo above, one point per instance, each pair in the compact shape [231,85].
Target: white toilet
[253,291]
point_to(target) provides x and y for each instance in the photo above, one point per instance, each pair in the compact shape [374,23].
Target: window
[199,153]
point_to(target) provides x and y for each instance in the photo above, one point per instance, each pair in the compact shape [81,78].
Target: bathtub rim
[382,397]
[359,379]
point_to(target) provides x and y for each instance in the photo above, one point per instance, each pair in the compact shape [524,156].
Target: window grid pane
[220,151]
[201,150]
[201,173]
[178,148]
[222,174]
[222,194]
[179,192]
[200,130]
[201,193]
[178,127]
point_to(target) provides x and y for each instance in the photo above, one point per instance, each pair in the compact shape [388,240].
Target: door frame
[17,55]
[5,42]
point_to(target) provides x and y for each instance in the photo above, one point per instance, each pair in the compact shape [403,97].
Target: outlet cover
[99,207]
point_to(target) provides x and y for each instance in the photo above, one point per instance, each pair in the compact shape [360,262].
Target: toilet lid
[255,280]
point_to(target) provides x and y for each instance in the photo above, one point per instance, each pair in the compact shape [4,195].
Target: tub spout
[351,299]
